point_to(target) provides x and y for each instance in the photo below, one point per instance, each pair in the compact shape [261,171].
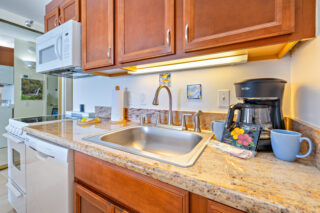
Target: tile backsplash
[133,114]
[310,132]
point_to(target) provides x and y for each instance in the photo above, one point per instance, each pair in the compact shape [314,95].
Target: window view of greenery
[31,89]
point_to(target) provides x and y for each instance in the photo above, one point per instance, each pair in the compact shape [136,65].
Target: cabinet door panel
[70,10]
[212,23]
[146,29]
[119,210]
[51,20]
[97,33]
[214,207]
[86,201]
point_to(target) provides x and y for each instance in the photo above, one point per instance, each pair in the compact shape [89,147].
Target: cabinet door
[51,19]
[70,10]
[135,191]
[85,201]
[119,210]
[146,29]
[213,23]
[97,33]
[214,207]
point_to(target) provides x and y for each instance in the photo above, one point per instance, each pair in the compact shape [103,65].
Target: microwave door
[49,54]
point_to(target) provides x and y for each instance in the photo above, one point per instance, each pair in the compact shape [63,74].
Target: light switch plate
[224,98]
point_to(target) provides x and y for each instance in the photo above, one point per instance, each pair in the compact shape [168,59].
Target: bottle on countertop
[117,108]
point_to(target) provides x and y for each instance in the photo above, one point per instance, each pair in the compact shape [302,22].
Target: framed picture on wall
[194,92]
[165,79]
[31,89]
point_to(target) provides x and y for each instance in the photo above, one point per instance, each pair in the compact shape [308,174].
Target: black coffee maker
[261,104]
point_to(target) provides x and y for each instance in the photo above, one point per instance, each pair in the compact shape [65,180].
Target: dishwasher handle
[47,149]
[41,155]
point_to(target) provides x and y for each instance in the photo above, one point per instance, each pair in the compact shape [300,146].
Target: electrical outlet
[224,98]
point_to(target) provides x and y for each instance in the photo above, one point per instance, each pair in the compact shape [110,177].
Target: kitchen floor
[5,207]
[3,156]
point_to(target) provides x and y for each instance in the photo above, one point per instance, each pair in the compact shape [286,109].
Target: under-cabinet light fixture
[232,60]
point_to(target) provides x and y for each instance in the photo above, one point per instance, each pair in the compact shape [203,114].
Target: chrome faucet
[156,102]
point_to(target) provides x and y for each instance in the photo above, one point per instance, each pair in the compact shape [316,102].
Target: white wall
[305,76]
[11,31]
[96,91]
[93,91]
[26,108]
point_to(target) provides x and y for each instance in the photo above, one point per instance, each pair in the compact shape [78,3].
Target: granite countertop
[260,184]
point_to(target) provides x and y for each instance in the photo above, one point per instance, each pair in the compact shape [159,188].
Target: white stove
[17,159]
[16,124]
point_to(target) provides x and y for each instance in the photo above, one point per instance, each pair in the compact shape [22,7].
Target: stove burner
[41,119]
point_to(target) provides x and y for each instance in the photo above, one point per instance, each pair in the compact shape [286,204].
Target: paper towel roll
[117,113]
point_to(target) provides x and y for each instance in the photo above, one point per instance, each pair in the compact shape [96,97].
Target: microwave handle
[56,49]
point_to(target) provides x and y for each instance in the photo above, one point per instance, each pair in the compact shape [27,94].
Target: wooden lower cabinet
[86,201]
[215,207]
[104,187]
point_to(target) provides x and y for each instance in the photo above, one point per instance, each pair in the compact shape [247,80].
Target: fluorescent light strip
[239,59]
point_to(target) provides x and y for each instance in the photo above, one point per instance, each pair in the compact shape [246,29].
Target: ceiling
[31,9]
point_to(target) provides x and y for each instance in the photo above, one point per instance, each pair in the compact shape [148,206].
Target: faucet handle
[196,121]
[158,118]
[183,121]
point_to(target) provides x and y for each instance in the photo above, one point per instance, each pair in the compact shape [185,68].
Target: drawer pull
[168,37]
[109,52]
[186,33]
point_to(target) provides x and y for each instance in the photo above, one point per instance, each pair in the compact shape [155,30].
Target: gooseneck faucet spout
[156,101]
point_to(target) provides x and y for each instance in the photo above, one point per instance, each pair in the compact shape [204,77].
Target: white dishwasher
[49,177]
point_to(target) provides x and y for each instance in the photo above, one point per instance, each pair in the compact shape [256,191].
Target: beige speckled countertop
[261,184]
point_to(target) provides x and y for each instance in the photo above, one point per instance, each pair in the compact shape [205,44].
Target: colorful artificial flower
[245,139]
[236,132]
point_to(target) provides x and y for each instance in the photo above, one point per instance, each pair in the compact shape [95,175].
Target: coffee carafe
[261,101]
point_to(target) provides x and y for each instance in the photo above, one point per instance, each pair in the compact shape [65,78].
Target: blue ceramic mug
[286,144]
[217,127]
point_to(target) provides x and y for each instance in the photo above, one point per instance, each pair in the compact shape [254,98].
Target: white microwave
[59,51]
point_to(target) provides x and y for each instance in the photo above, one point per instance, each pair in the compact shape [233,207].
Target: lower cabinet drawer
[129,189]
[86,201]
[214,207]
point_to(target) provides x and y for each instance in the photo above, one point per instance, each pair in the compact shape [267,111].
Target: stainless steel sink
[181,148]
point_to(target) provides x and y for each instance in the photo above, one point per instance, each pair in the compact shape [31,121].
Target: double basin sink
[180,148]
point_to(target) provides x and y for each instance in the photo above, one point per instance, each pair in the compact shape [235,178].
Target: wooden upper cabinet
[61,11]
[213,23]
[51,19]
[145,29]
[97,33]
[70,9]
